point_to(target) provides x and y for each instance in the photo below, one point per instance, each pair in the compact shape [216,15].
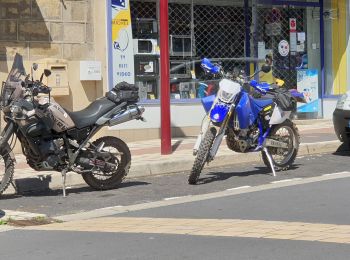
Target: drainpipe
[164,78]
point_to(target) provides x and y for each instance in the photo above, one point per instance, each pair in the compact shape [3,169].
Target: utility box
[58,80]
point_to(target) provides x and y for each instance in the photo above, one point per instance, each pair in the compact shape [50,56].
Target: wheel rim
[115,158]
[281,156]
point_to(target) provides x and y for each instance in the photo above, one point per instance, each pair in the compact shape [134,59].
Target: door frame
[322,46]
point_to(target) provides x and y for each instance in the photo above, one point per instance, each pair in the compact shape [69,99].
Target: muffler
[127,115]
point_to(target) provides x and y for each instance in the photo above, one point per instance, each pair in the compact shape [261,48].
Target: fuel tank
[61,121]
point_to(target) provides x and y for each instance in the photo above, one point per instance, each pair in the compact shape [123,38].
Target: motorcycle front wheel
[6,168]
[202,156]
[283,158]
[102,179]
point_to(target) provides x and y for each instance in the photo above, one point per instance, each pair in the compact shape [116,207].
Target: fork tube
[6,133]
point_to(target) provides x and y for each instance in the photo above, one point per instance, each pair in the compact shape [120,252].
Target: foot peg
[268,155]
[64,175]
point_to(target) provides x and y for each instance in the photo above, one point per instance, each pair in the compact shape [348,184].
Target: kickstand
[14,186]
[64,175]
[268,155]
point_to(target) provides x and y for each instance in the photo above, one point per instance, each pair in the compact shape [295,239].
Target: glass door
[290,35]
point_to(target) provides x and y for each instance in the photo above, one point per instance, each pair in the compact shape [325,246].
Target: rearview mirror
[35,66]
[47,72]
[266,68]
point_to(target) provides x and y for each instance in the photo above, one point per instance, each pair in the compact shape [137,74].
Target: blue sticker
[119,3]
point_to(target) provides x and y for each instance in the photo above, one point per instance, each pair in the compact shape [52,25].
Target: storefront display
[285,32]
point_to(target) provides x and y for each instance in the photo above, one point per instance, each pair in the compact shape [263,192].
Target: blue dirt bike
[251,123]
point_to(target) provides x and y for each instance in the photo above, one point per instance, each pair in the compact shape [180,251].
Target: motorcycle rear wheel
[202,156]
[281,158]
[107,181]
[6,169]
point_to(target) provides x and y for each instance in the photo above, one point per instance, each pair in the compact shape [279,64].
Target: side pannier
[284,99]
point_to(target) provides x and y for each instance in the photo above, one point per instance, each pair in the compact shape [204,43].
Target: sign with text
[122,43]
[90,70]
[292,24]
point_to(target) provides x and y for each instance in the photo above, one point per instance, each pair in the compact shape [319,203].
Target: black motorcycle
[54,139]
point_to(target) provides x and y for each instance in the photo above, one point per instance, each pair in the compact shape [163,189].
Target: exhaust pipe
[125,116]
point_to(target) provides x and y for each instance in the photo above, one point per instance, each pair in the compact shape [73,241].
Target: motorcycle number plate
[274,143]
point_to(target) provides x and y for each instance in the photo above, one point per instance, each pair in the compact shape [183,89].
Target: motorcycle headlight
[228,90]
[225,96]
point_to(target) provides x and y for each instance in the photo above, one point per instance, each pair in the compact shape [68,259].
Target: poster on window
[307,83]
[122,43]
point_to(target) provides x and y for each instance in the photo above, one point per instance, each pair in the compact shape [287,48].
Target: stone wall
[46,29]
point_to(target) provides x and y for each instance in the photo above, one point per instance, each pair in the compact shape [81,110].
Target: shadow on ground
[222,176]
[2,213]
[78,190]
[343,150]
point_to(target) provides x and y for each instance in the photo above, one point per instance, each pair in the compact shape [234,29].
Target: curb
[48,180]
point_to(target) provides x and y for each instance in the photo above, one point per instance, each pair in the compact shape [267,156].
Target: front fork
[6,134]
[220,130]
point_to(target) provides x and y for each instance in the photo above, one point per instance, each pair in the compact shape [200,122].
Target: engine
[51,154]
[241,140]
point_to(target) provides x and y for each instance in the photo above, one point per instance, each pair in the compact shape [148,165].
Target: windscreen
[12,88]
[17,72]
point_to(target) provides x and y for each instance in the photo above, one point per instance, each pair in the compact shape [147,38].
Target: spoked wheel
[115,164]
[6,169]
[202,156]
[283,158]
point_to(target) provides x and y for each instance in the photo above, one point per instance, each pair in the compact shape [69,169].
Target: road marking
[301,231]
[194,198]
[287,180]
[173,198]
[239,188]
[334,174]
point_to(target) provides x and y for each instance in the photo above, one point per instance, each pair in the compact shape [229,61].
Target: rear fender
[279,116]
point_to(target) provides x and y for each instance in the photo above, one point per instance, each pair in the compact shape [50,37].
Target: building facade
[308,41]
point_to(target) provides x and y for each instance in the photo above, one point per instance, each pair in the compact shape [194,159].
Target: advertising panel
[122,43]
[307,83]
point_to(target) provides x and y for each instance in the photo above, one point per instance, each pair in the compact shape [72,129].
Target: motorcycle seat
[92,113]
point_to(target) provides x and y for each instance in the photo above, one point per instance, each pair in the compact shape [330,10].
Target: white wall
[182,115]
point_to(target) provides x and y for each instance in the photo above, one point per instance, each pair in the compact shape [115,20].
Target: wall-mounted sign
[122,43]
[292,24]
[293,41]
[301,37]
[283,48]
[90,70]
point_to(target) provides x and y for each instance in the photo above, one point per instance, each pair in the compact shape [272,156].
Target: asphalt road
[320,202]
[80,245]
[141,190]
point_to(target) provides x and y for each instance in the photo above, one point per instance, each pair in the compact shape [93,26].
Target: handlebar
[36,87]
[263,88]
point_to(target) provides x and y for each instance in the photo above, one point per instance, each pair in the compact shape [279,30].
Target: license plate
[274,143]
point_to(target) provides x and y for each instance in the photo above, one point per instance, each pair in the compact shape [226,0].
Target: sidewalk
[317,136]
